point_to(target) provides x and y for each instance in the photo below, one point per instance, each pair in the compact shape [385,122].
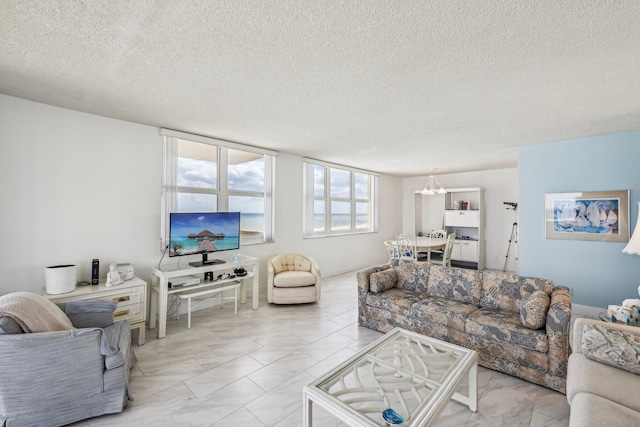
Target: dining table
[429,244]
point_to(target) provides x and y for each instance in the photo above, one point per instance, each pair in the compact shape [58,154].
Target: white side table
[131,297]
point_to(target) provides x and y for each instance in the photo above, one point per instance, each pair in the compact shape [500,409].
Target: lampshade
[633,247]
[433,187]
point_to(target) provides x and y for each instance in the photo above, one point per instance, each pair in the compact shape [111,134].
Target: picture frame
[593,215]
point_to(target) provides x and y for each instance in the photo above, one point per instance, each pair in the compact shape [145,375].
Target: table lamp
[633,247]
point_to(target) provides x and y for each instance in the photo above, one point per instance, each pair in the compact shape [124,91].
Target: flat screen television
[203,233]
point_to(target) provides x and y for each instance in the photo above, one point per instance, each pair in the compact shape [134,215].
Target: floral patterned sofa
[518,325]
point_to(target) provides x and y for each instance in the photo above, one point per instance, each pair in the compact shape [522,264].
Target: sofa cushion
[533,309]
[294,279]
[412,276]
[588,376]
[383,280]
[503,291]
[614,347]
[442,311]
[591,410]
[457,284]
[394,300]
[295,295]
[506,327]
[509,358]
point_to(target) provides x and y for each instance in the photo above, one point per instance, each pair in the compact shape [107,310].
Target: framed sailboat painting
[594,215]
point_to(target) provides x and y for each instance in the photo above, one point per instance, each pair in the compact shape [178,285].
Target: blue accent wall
[597,272]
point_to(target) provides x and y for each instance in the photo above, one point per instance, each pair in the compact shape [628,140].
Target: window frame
[310,198]
[170,189]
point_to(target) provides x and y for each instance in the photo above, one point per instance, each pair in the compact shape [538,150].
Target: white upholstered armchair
[292,279]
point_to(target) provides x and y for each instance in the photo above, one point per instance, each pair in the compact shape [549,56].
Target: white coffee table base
[414,374]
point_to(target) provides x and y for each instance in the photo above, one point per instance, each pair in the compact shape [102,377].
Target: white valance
[334,165]
[215,141]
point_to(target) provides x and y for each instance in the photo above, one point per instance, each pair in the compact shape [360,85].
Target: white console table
[160,285]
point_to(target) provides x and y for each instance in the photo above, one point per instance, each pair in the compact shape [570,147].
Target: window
[208,175]
[338,200]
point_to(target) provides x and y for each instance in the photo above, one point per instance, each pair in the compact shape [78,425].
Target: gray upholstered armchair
[57,378]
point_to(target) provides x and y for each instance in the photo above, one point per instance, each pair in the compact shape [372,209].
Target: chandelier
[433,187]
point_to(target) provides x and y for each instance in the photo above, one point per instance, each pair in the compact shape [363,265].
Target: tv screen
[203,233]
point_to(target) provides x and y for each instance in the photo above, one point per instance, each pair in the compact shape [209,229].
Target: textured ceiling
[395,86]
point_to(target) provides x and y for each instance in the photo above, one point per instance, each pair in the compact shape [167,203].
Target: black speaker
[95,271]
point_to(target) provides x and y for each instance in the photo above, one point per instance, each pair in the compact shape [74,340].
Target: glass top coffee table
[413,374]
[604,316]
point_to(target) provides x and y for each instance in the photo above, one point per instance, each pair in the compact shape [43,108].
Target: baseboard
[330,272]
[579,310]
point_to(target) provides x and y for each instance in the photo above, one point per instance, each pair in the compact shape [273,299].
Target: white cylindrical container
[60,279]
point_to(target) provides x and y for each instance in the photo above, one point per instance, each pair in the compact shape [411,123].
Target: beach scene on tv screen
[197,233]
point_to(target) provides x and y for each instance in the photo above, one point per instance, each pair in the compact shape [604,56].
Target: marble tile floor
[248,370]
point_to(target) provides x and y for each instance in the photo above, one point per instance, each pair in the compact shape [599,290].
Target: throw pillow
[611,346]
[383,280]
[533,309]
[90,313]
[9,326]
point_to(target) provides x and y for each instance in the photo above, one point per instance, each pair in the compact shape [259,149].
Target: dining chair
[407,249]
[448,249]
[438,234]
[392,249]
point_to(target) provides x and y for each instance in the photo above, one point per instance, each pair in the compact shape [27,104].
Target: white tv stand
[160,285]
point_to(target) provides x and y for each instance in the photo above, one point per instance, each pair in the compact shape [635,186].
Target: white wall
[500,186]
[77,186]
